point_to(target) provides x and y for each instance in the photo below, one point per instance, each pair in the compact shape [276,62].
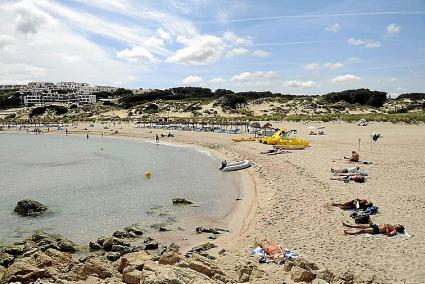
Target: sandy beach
[288,200]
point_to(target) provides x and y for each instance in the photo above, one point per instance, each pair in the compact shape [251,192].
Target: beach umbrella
[267,125]
[255,125]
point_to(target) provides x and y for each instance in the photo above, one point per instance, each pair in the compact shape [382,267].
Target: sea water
[95,186]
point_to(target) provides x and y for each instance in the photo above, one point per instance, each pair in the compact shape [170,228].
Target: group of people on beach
[364,205]
[361,206]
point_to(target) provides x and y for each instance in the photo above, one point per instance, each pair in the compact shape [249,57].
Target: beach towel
[371,210]
[403,236]
[258,251]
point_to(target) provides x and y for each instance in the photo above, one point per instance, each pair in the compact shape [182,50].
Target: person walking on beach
[87,136]
[66,131]
[157,138]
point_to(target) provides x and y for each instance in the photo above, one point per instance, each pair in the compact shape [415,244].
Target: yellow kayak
[243,139]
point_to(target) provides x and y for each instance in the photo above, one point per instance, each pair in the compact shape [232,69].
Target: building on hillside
[141,91]
[96,89]
[40,98]
[10,87]
[71,85]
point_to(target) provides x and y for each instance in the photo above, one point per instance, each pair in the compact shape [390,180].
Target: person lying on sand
[273,252]
[353,171]
[354,157]
[347,178]
[345,170]
[354,204]
[385,229]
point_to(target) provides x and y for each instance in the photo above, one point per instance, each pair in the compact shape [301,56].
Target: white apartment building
[95,89]
[37,98]
[71,85]
[10,87]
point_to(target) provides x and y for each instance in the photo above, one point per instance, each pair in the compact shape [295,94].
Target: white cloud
[70,58]
[233,39]
[52,51]
[347,78]
[260,53]
[217,80]
[334,28]
[301,84]
[6,40]
[203,49]
[387,80]
[29,19]
[312,67]
[393,29]
[163,34]
[192,79]
[354,59]
[365,43]
[137,54]
[259,75]
[333,66]
[238,51]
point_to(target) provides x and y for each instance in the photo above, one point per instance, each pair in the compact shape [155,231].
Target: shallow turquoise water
[91,192]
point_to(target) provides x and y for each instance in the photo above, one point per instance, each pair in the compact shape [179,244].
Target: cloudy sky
[297,46]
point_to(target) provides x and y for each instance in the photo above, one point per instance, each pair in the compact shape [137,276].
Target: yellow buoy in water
[148,174]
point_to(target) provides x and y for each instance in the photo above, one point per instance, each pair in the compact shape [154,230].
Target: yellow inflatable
[281,137]
[148,175]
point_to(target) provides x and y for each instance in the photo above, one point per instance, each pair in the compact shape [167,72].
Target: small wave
[169,144]
[207,153]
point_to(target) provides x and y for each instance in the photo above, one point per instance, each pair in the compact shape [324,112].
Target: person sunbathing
[273,252]
[354,204]
[347,178]
[374,229]
[354,157]
[345,170]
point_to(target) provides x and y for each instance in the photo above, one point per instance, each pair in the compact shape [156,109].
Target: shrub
[359,96]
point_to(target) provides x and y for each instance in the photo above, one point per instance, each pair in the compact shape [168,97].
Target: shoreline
[241,209]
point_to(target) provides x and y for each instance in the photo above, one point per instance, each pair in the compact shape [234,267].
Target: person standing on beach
[87,136]
[157,138]
[66,131]
[102,134]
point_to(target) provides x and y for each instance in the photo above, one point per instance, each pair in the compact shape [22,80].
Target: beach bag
[362,218]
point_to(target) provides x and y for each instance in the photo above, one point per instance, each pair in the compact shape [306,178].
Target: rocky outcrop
[6,259]
[28,207]
[299,274]
[24,272]
[181,201]
[215,231]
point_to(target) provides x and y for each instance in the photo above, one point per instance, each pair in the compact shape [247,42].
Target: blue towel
[371,210]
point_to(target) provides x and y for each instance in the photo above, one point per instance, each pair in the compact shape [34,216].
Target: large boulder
[24,272]
[6,259]
[245,270]
[132,275]
[45,241]
[299,274]
[98,268]
[325,274]
[28,207]
[170,258]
